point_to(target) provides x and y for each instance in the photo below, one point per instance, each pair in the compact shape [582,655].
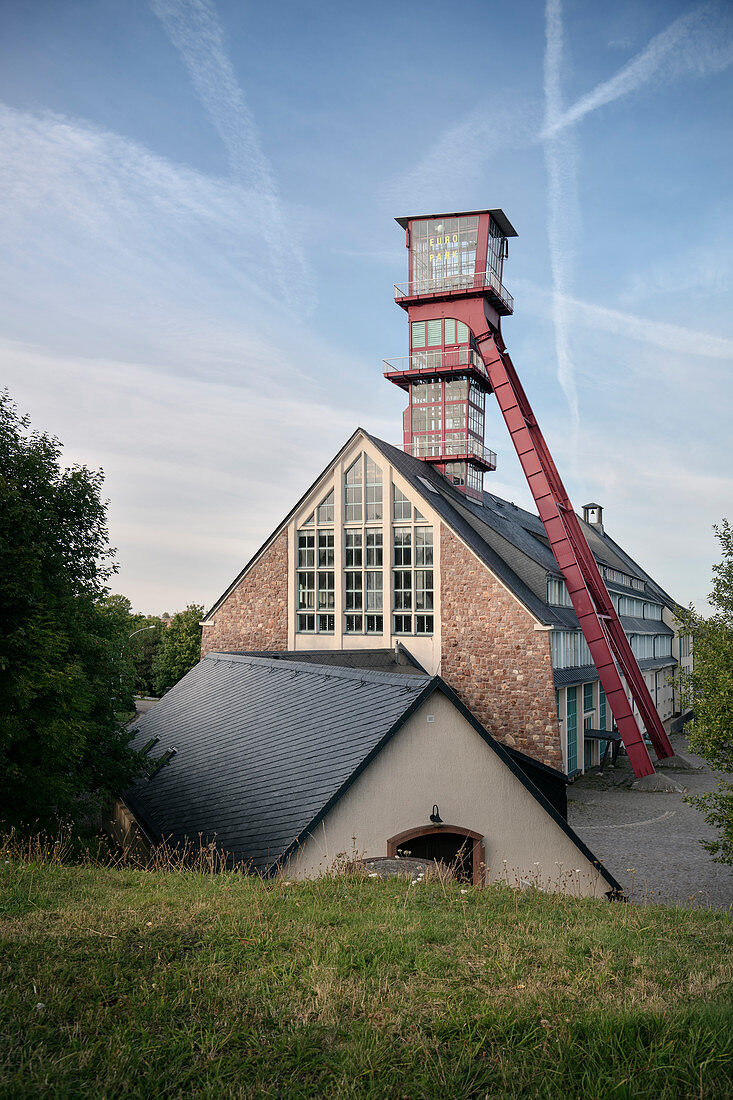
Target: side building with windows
[383,549]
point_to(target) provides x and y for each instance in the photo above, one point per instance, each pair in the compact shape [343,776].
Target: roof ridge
[331,671]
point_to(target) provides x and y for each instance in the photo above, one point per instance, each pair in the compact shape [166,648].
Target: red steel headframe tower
[455,300]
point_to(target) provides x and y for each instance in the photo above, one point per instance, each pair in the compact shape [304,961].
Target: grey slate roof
[513,543]
[583,674]
[510,540]
[266,746]
[382,660]
[262,746]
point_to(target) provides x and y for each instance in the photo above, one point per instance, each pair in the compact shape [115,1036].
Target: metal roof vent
[593,514]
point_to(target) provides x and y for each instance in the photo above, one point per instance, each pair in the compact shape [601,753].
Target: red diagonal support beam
[597,616]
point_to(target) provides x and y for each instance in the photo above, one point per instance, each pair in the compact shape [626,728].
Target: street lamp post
[122,649]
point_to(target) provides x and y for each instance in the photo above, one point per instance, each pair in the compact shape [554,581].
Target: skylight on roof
[427,484]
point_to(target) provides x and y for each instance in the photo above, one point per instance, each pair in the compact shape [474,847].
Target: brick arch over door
[478,860]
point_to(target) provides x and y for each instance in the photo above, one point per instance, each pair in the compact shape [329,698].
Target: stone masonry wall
[255,614]
[493,657]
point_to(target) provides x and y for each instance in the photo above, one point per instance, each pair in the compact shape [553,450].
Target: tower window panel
[456,472]
[435,334]
[306,551]
[476,395]
[423,546]
[427,419]
[475,479]
[401,507]
[450,330]
[374,590]
[427,393]
[426,446]
[353,548]
[354,592]
[325,509]
[373,485]
[325,549]
[455,418]
[326,593]
[475,421]
[374,549]
[402,553]
[462,335]
[418,334]
[455,389]
[353,493]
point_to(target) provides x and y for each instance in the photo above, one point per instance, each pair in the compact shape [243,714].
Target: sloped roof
[509,540]
[512,541]
[265,747]
[583,674]
[262,746]
[380,660]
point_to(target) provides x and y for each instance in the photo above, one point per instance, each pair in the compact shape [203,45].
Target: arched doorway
[460,849]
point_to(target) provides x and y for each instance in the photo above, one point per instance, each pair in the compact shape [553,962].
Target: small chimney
[593,514]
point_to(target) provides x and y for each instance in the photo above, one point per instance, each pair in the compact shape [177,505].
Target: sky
[198,251]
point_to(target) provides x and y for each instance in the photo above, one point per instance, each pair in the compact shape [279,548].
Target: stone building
[383,549]
[405,645]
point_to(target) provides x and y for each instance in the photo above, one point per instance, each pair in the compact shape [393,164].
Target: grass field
[117,982]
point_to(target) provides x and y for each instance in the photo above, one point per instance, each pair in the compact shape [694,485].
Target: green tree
[140,651]
[62,751]
[708,689]
[180,648]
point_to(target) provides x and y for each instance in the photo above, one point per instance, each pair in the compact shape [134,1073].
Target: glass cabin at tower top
[454,253]
[456,263]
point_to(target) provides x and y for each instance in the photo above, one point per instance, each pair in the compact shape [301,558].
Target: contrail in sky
[700,41]
[194,29]
[562,203]
[697,40]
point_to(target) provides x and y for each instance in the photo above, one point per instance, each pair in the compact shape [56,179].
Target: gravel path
[651,841]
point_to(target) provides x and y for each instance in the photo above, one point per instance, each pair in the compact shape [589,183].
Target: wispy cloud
[643,330]
[563,208]
[181,461]
[194,29]
[104,244]
[458,157]
[697,43]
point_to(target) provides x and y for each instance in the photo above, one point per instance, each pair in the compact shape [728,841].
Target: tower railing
[432,361]
[451,447]
[447,284]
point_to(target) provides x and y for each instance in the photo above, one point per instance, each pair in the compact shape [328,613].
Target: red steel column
[593,606]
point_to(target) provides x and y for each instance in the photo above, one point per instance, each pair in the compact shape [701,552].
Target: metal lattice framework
[474,300]
[607,641]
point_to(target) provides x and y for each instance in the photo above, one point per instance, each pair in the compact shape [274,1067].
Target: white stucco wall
[446,761]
